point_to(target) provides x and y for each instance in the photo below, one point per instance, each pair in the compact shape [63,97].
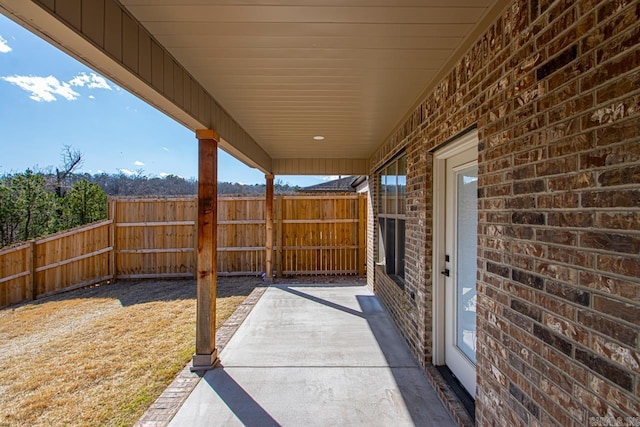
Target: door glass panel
[467,230]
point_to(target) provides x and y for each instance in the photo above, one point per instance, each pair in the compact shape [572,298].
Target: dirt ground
[102,355]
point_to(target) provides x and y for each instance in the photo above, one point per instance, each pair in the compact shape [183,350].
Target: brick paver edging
[167,405]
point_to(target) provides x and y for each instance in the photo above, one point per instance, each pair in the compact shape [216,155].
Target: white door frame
[465,142]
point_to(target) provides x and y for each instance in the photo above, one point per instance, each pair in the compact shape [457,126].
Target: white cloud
[329,177]
[92,97]
[92,81]
[138,163]
[126,172]
[165,148]
[4,46]
[164,174]
[43,88]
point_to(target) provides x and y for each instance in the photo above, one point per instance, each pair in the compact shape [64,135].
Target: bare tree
[71,159]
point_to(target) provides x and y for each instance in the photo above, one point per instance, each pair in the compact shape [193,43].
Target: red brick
[608,71]
[560,237]
[626,266]
[624,134]
[624,24]
[570,219]
[622,176]
[618,220]
[572,256]
[552,89]
[622,355]
[611,242]
[627,289]
[573,145]
[622,401]
[619,309]
[571,181]
[613,329]
[612,199]
[608,370]
[554,201]
[556,305]
[566,400]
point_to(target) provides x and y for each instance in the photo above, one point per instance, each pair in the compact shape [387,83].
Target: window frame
[391,212]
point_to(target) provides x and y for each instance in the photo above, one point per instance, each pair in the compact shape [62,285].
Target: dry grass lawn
[100,356]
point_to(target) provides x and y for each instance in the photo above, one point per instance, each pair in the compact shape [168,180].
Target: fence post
[362,234]
[279,238]
[32,263]
[269,229]
[195,244]
[113,238]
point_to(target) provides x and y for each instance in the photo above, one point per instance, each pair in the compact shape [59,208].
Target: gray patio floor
[315,355]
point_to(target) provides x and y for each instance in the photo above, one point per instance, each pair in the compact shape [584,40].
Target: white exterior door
[458,235]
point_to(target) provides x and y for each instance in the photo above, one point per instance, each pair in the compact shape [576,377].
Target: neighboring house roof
[341,185]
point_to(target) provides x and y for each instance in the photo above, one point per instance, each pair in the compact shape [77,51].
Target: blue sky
[49,100]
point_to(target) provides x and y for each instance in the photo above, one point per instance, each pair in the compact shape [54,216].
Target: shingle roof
[337,185]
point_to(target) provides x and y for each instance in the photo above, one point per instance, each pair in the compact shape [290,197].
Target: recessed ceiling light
[318,137]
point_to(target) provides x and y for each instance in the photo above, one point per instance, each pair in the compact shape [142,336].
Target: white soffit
[287,70]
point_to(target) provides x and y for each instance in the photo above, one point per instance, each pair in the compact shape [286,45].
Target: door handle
[445,272]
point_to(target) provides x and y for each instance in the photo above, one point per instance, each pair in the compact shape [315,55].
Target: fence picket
[155,238]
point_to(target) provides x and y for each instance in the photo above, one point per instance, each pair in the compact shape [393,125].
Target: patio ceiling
[288,70]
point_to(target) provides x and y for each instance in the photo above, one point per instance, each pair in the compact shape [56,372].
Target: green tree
[85,203]
[9,216]
[36,206]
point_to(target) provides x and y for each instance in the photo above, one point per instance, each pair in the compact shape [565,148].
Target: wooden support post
[279,219]
[269,228]
[206,356]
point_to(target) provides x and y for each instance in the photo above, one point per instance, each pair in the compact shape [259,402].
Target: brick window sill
[380,267]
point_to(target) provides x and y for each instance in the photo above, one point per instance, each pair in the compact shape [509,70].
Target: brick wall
[554,89]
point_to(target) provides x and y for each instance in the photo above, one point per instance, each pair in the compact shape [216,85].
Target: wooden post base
[205,362]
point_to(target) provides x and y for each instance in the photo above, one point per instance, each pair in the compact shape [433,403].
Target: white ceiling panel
[287,70]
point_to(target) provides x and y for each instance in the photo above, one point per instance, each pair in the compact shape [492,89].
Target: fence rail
[155,238]
[62,261]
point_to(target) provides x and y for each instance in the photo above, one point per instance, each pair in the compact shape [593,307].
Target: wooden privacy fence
[62,261]
[155,238]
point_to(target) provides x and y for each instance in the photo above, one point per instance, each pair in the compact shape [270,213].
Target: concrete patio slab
[315,355]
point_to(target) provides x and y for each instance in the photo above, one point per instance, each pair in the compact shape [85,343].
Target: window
[391,218]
